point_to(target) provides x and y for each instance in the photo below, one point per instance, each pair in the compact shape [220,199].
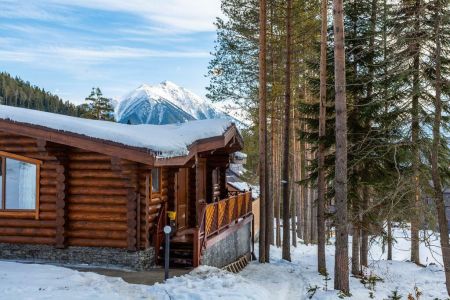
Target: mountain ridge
[165,103]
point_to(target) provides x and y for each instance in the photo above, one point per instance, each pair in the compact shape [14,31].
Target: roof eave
[79,141]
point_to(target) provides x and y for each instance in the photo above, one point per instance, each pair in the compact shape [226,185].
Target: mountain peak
[164,103]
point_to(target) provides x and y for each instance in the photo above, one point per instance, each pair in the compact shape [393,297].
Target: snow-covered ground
[278,280]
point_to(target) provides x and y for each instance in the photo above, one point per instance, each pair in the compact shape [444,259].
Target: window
[156,180]
[18,188]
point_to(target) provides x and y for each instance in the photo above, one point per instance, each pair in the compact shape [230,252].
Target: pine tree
[98,107]
[341,279]
[263,256]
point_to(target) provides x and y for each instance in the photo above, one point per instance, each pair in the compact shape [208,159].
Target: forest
[350,106]
[17,92]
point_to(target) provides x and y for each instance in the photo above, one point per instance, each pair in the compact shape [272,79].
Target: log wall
[22,228]
[86,199]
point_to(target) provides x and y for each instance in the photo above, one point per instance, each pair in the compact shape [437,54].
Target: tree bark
[286,253]
[365,227]
[355,249]
[293,194]
[321,262]
[436,176]
[341,279]
[389,239]
[262,129]
[415,216]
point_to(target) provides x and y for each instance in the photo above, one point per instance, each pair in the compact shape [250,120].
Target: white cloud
[174,15]
[90,55]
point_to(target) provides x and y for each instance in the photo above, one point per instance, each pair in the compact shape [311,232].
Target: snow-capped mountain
[164,103]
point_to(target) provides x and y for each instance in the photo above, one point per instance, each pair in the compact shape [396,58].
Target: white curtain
[20,185]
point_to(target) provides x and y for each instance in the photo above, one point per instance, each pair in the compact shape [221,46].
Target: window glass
[155,180]
[20,185]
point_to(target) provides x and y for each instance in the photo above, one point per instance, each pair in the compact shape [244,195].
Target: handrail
[216,217]
[159,234]
[223,213]
[199,236]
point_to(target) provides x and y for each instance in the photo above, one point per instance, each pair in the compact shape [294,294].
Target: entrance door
[182,190]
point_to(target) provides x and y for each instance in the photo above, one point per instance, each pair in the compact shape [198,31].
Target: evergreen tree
[98,107]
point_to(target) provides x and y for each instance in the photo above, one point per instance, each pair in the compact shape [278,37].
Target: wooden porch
[216,221]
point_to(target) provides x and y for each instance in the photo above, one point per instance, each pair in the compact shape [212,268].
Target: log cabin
[79,191]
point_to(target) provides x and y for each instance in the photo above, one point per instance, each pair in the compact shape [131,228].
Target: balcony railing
[217,217]
[223,213]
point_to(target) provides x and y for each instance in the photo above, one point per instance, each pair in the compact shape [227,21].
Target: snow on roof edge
[163,141]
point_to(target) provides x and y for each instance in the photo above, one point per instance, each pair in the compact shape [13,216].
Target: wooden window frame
[19,213]
[159,183]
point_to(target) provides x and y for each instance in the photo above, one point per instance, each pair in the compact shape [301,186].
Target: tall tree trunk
[415,201]
[436,176]
[341,279]
[365,227]
[277,187]
[389,238]
[262,129]
[270,145]
[305,194]
[321,262]
[298,177]
[313,212]
[293,186]
[355,248]
[286,253]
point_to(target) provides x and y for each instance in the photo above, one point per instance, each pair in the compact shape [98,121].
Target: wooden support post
[200,177]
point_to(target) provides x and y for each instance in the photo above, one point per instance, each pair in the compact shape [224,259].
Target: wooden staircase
[181,250]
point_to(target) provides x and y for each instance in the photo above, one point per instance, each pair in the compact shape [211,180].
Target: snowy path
[277,280]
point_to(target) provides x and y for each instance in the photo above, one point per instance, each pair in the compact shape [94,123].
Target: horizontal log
[17,214]
[93,174]
[26,223]
[89,166]
[82,216]
[27,240]
[49,174]
[96,191]
[35,232]
[74,225]
[47,207]
[50,198]
[98,234]
[98,199]
[50,181]
[91,156]
[19,149]
[97,208]
[97,243]
[48,190]
[47,215]
[96,182]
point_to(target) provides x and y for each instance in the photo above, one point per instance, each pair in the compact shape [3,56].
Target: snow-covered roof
[245,186]
[240,155]
[163,140]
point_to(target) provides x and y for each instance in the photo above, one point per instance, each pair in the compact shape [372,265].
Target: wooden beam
[203,145]
[200,177]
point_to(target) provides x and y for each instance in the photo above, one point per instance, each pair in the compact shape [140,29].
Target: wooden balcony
[220,215]
[218,218]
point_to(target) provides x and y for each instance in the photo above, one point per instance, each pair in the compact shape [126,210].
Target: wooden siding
[86,198]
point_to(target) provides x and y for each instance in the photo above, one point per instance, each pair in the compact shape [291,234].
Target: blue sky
[68,46]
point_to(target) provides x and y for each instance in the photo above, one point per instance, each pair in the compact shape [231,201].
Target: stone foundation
[92,256]
[229,249]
